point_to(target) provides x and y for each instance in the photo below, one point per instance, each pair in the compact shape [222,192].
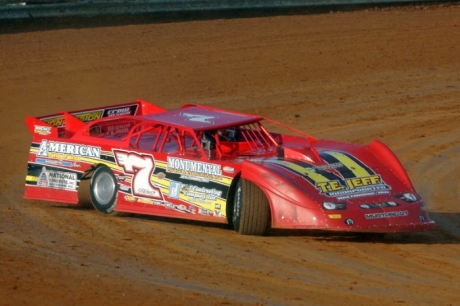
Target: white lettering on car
[141,166]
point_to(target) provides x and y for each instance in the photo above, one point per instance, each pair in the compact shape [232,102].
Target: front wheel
[251,210]
[103,190]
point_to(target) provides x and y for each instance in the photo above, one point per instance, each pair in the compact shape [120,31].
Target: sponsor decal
[343,177]
[145,201]
[199,201]
[349,222]
[89,116]
[174,190]
[194,168]
[152,202]
[117,129]
[394,214]
[347,186]
[42,130]
[121,111]
[182,208]
[229,169]
[198,118]
[363,193]
[129,198]
[62,180]
[201,193]
[204,211]
[124,188]
[70,151]
[193,178]
[56,121]
[329,166]
[43,178]
[141,167]
[379,205]
[57,179]
[56,162]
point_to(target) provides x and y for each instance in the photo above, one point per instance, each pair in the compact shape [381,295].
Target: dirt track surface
[392,75]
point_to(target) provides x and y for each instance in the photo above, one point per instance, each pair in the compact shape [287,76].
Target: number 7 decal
[141,166]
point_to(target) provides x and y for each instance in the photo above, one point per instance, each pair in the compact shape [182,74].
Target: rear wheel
[84,197]
[103,190]
[251,210]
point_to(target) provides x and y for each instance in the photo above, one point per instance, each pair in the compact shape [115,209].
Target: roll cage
[142,134]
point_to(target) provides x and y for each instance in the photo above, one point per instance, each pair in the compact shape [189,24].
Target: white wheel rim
[104,187]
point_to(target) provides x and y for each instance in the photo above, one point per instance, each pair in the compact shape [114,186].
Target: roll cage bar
[249,139]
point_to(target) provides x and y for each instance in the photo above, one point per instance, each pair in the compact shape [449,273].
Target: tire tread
[255,210]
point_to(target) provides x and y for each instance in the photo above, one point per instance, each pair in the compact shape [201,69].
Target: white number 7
[141,166]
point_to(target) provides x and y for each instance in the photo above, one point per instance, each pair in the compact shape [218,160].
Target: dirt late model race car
[207,164]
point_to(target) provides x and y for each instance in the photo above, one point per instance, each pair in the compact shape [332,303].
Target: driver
[227,135]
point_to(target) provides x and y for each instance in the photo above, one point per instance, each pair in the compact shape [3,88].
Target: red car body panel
[177,164]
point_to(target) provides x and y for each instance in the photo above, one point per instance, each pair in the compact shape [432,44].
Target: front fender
[290,207]
[389,159]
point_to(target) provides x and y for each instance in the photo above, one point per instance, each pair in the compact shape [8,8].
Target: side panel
[148,183]
[55,168]
[179,186]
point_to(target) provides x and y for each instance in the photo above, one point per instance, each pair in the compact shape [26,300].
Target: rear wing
[62,123]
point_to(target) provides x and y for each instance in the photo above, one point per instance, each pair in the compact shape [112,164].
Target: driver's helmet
[227,134]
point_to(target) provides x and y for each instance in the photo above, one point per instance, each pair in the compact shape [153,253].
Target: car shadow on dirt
[445,233]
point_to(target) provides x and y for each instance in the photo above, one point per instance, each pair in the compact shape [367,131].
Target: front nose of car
[389,216]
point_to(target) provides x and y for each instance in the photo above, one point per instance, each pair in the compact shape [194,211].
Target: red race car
[209,164]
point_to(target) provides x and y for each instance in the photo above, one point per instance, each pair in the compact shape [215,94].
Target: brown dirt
[389,74]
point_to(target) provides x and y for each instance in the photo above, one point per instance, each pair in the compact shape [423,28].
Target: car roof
[201,118]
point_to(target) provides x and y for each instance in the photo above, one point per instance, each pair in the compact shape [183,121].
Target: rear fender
[77,196]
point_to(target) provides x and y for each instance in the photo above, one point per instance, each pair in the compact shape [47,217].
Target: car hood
[350,174]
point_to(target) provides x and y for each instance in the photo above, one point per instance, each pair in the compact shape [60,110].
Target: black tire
[84,197]
[103,190]
[251,210]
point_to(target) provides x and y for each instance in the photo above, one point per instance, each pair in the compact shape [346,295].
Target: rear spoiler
[56,124]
